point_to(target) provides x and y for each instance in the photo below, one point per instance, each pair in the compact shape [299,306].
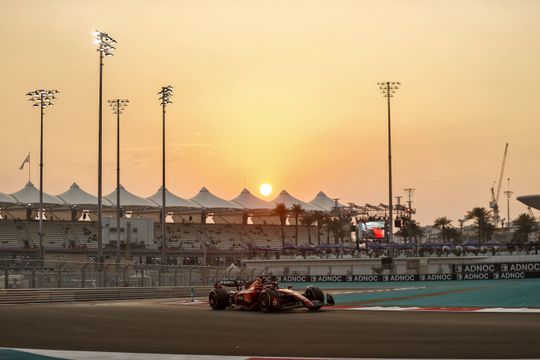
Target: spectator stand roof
[249,201]
[530,200]
[75,196]
[29,195]
[172,200]
[6,199]
[208,200]
[129,200]
[324,202]
[289,200]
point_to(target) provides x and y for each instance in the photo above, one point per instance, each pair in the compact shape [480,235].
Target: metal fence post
[176,276]
[124,276]
[33,277]
[83,276]
[59,279]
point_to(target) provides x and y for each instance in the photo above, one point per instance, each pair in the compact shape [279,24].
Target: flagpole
[29,166]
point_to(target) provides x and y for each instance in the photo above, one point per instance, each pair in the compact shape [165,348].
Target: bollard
[192,294]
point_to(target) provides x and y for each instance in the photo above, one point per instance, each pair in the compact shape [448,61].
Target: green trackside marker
[11,354]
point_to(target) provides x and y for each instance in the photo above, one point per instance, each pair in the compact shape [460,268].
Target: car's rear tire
[218,299]
[315,293]
[268,300]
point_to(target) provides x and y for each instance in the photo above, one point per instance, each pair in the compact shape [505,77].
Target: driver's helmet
[257,283]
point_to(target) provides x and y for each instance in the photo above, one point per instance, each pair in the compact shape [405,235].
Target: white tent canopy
[324,202]
[75,196]
[7,199]
[210,201]
[250,201]
[30,195]
[172,201]
[288,200]
[129,200]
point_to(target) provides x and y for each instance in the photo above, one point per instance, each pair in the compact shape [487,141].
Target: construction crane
[494,203]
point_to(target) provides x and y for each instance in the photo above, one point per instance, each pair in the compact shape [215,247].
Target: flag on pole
[27,160]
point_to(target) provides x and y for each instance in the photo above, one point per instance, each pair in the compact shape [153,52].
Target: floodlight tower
[43,99]
[165,95]
[105,48]
[118,106]
[388,89]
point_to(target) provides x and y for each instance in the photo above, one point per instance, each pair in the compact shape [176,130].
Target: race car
[265,296]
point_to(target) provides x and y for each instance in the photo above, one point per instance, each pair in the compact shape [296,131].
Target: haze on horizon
[280,92]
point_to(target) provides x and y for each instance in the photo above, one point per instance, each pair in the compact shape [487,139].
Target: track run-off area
[462,319]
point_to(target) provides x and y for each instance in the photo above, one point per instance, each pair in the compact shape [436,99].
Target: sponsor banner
[405,277]
[496,267]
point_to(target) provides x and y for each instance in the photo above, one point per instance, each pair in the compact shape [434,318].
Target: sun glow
[265,189]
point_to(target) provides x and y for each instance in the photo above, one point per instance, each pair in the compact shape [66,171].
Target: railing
[24,296]
[70,274]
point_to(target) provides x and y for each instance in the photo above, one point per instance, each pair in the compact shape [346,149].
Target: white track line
[443,309]
[98,355]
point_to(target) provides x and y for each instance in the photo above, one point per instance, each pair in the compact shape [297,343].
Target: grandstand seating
[55,234]
[85,234]
[9,237]
[60,235]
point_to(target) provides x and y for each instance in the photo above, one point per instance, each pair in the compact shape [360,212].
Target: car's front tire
[218,299]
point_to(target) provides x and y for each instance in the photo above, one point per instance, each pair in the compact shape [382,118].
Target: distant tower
[508,194]
[410,193]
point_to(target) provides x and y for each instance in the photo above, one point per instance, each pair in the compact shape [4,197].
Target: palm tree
[281,211]
[525,225]
[308,220]
[318,216]
[481,216]
[411,229]
[442,223]
[453,233]
[297,210]
[328,223]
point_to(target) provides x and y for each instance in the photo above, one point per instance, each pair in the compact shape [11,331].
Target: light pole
[410,193]
[117,106]
[165,97]
[508,194]
[388,89]
[43,99]
[105,48]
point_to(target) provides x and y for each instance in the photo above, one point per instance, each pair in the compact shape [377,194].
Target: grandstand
[200,230]
[204,224]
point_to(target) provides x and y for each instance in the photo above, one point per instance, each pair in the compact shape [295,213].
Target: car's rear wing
[229,283]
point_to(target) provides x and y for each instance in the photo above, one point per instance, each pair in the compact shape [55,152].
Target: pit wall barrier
[377,266]
[25,296]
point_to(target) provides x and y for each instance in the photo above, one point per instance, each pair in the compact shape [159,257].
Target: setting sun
[265,189]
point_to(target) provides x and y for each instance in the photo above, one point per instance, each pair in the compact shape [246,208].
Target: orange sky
[281,92]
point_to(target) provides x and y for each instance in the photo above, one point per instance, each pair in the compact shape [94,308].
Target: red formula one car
[266,296]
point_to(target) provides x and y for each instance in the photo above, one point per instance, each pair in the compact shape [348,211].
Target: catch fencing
[69,274]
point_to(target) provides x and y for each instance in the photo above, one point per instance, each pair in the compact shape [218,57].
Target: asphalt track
[166,326]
